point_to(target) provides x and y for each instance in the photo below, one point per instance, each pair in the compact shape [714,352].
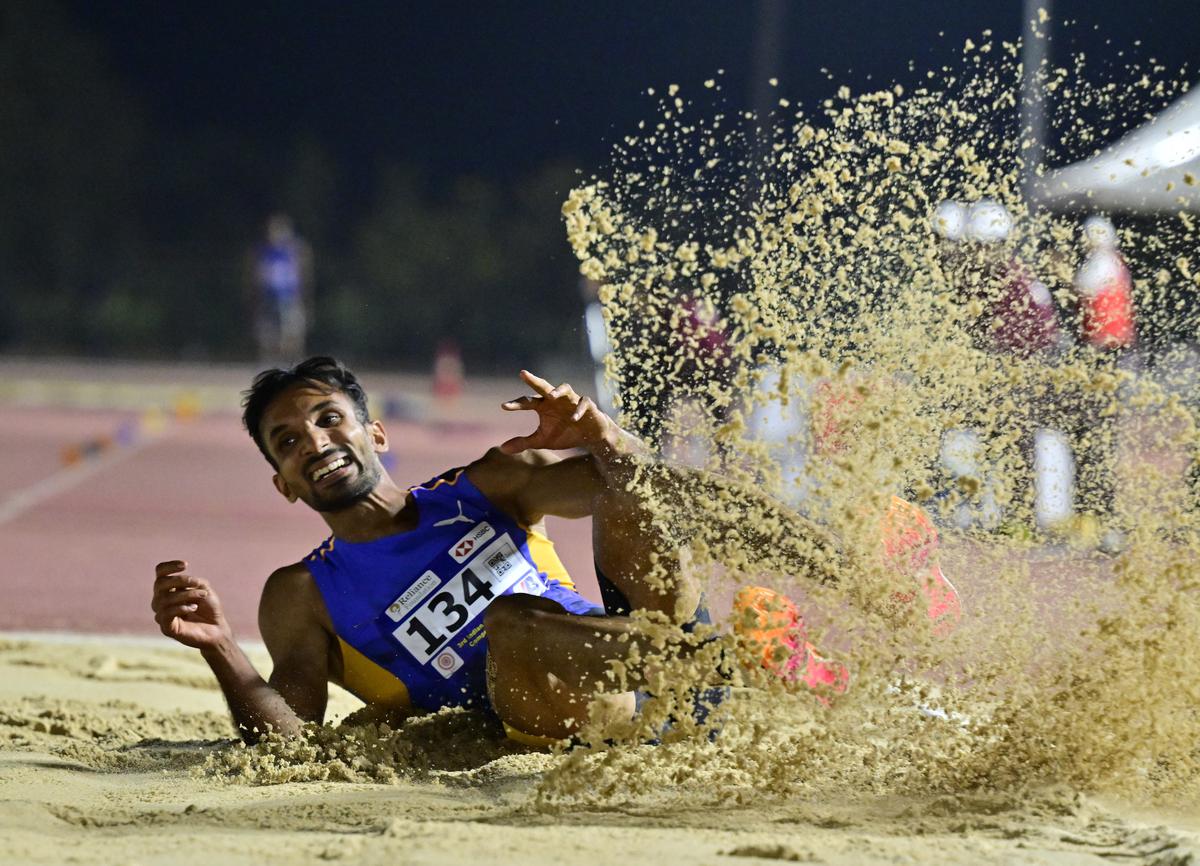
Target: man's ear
[282,486]
[379,437]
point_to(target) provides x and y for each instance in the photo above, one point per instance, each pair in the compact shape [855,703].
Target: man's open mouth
[327,469]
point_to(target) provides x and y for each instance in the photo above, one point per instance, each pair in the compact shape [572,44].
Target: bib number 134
[461,599]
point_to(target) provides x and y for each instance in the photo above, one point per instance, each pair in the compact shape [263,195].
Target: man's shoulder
[289,583]
[295,571]
[291,605]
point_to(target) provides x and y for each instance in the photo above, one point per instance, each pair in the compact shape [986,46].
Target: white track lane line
[68,477]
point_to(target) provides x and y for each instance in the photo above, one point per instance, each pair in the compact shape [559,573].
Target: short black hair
[320,370]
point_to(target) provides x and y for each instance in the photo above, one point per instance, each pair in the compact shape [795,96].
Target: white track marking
[117,639]
[66,478]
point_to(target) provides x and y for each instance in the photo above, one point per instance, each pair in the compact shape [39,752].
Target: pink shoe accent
[910,550]
[824,675]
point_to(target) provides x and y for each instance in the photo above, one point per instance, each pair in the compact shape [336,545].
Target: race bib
[442,616]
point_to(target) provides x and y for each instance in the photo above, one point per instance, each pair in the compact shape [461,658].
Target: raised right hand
[565,419]
[186,608]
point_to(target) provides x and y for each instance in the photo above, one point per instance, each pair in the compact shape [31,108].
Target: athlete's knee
[502,619]
[510,618]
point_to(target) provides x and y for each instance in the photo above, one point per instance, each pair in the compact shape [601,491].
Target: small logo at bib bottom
[447,662]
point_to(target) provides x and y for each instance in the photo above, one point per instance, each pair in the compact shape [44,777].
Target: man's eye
[287,441]
[331,418]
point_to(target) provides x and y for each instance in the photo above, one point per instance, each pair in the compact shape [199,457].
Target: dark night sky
[499,88]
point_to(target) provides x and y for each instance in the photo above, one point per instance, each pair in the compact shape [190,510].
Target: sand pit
[121,752]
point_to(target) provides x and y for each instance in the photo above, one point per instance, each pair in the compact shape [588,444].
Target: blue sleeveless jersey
[413,602]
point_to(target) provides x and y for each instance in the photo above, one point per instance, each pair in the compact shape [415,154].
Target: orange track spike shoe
[773,629]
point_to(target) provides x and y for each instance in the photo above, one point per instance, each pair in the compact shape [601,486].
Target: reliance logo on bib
[472,541]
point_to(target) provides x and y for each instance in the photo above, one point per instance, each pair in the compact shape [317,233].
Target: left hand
[565,420]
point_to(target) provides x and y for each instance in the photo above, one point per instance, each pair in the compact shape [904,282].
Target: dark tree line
[118,238]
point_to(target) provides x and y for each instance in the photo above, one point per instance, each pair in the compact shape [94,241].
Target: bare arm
[533,484]
[188,609]
[289,620]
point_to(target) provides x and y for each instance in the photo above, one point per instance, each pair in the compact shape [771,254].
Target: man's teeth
[329,467]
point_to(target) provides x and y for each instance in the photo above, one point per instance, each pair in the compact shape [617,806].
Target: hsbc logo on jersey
[471,542]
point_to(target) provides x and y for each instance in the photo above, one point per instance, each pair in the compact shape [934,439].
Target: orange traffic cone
[448,373]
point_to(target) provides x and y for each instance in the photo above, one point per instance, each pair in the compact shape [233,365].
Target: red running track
[80,543]
[81,557]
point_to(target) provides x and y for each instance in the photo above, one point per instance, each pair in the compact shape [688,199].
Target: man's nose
[316,439]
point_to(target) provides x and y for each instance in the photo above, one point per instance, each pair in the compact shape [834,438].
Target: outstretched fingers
[564,392]
[519,403]
[558,407]
[544,393]
[537,383]
[585,404]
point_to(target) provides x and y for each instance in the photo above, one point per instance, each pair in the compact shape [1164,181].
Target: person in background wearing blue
[282,291]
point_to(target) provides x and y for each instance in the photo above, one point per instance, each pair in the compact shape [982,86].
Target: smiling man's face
[324,455]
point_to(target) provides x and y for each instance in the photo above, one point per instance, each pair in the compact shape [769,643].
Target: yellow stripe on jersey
[535,741]
[545,557]
[438,482]
[372,684]
[323,550]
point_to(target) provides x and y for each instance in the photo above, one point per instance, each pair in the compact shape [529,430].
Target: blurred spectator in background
[700,338]
[675,371]
[1019,319]
[1104,287]
[281,292]
[597,340]
[702,354]
[1020,311]
[961,452]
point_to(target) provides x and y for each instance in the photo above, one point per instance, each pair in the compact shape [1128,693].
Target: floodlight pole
[767,45]
[1035,50]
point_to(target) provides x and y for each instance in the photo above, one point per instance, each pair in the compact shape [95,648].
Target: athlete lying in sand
[449,593]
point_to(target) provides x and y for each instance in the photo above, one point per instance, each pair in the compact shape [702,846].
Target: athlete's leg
[633,548]
[545,665]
